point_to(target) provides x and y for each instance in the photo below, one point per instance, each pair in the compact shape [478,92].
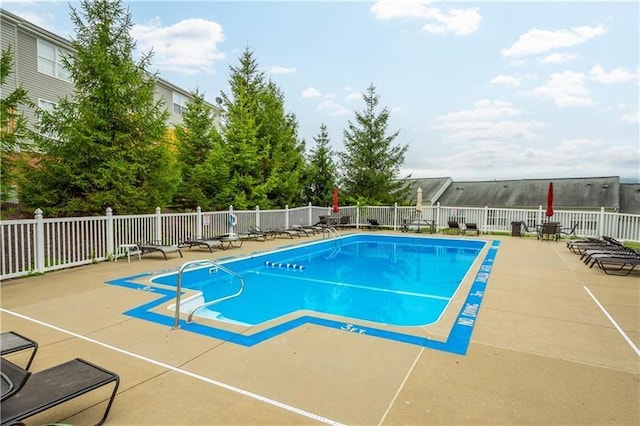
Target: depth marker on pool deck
[457,341]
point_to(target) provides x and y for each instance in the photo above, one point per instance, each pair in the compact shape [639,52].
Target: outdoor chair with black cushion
[12,342]
[373,223]
[471,228]
[549,231]
[26,394]
[453,227]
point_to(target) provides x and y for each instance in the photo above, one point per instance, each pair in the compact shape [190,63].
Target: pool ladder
[331,231]
[215,268]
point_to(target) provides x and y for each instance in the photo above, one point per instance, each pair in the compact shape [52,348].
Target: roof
[630,198]
[569,193]
[432,188]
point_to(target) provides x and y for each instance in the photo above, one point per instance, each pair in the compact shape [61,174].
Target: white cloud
[311,92]
[507,80]
[536,161]
[538,41]
[456,21]
[333,108]
[631,117]
[397,109]
[354,96]
[187,47]
[565,89]
[277,69]
[616,75]
[558,58]
[488,120]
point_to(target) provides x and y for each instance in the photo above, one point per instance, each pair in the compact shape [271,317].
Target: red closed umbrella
[335,200]
[549,211]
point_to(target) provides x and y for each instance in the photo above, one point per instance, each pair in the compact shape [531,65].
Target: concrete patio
[555,343]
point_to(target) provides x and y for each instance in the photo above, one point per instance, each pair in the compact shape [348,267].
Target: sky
[477,90]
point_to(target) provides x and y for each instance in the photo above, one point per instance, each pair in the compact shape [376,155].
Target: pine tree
[322,173]
[107,141]
[265,156]
[199,144]
[371,163]
[13,127]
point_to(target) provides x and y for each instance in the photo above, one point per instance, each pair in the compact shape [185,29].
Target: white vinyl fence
[39,245]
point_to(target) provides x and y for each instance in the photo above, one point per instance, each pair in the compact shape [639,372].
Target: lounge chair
[616,264]
[453,226]
[569,231]
[208,243]
[150,247]
[255,233]
[278,232]
[301,229]
[550,230]
[471,227]
[12,342]
[26,394]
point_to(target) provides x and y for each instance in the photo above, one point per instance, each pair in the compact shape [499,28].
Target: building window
[179,103]
[50,61]
[48,106]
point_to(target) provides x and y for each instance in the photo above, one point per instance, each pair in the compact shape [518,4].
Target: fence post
[286,216]
[110,236]
[486,219]
[39,241]
[199,229]
[438,216]
[539,219]
[158,238]
[230,225]
[258,216]
[310,214]
[601,222]
[358,215]
[395,216]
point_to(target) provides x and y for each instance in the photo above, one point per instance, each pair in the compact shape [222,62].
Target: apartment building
[38,68]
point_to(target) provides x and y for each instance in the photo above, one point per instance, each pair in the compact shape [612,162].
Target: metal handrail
[222,299]
[331,231]
[203,262]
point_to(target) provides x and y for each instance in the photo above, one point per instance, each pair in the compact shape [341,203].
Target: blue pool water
[394,280]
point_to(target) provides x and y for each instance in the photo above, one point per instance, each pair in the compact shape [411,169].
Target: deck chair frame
[12,342]
[43,390]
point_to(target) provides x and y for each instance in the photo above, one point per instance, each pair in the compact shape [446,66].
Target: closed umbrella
[419,201]
[549,211]
[335,200]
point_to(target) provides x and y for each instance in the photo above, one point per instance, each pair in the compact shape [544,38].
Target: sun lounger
[12,342]
[616,264]
[27,394]
[152,247]
[373,223]
[208,243]
[255,233]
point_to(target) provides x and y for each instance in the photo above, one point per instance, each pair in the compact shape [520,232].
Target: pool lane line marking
[615,324]
[181,371]
[457,341]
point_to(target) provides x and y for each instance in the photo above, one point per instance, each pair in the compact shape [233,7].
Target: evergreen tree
[265,156]
[371,163]
[13,127]
[322,174]
[241,132]
[107,141]
[280,151]
[203,169]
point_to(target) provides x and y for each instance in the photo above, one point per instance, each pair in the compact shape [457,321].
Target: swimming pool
[385,279]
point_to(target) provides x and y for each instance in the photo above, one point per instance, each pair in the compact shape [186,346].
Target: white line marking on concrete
[406,377]
[184,372]
[615,324]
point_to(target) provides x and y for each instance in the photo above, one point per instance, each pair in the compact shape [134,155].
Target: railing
[219,267]
[40,245]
